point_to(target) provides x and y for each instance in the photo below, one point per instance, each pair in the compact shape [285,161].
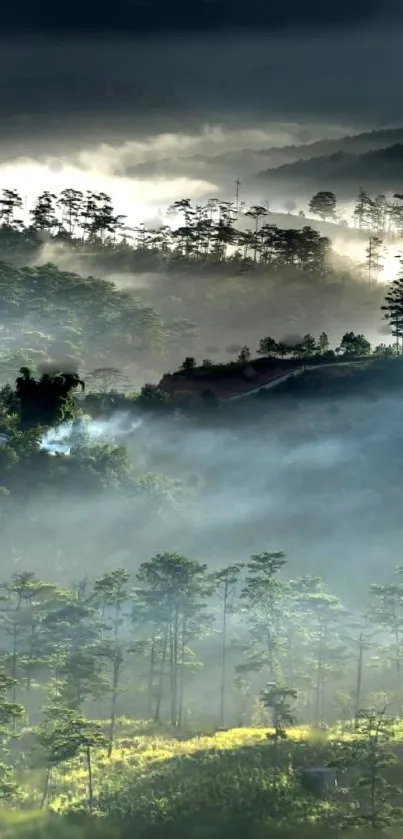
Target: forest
[185,648]
[70,291]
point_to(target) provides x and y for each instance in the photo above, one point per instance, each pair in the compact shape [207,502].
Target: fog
[292,475]
[150,103]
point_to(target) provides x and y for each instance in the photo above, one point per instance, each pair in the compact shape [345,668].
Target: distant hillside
[371,380]
[377,170]
[246,162]
[352,144]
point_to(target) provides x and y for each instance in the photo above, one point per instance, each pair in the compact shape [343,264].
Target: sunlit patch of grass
[141,756]
[145,758]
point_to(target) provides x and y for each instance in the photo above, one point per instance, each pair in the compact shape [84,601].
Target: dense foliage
[110,679]
[53,315]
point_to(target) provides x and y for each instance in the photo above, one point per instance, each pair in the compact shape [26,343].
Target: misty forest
[201,595]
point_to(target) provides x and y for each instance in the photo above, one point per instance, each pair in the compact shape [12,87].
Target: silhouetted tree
[43,213]
[352,344]
[47,401]
[393,310]
[323,204]
[244,354]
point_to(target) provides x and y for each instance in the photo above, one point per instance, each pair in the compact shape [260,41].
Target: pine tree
[10,713]
[386,612]
[10,204]
[261,602]
[111,595]
[278,699]
[323,204]
[70,202]
[393,310]
[226,581]
[367,755]
[174,590]
[63,735]
[43,214]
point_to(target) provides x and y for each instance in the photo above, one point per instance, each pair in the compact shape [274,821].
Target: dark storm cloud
[151,16]
[78,92]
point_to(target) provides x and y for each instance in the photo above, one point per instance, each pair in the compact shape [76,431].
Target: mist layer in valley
[220,310]
[316,479]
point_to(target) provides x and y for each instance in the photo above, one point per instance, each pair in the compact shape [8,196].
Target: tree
[384,351]
[111,594]
[393,310]
[173,591]
[368,753]
[323,343]
[10,712]
[23,601]
[268,346]
[244,354]
[379,214]
[321,615]
[278,699]
[70,202]
[185,234]
[261,602]
[374,258]
[396,213]
[363,210]
[386,612]
[152,396]
[323,204]
[10,204]
[356,345]
[363,646]
[226,581]
[306,347]
[189,363]
[43,213]
[66,734]
[97,217]
[106,379]
[47,401]
[71,641]
[256,212]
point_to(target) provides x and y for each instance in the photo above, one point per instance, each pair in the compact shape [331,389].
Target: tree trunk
[90,789]
[223,658]
[181,675]
[151,679]
[357,699]
[46,788]
[174,669]
[116,672]
[157,712]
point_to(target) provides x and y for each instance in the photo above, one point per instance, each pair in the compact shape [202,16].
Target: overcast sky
[168,76]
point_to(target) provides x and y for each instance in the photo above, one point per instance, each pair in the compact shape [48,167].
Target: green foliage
[355,345]
[10,712]
[47,402]
[367,753]
[144,640]
[323,204]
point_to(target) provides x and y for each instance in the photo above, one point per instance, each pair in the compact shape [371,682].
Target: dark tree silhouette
[47,401]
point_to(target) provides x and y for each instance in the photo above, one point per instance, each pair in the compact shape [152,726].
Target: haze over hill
[342,171]
[244,162]
[212,190]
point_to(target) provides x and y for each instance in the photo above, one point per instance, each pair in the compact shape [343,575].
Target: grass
[143,758]
[141,753]
[161,783]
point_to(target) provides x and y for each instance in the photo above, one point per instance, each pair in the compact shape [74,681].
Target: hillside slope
[344,172]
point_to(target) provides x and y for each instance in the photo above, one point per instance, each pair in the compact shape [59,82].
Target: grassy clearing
[194,785]
[142,759]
